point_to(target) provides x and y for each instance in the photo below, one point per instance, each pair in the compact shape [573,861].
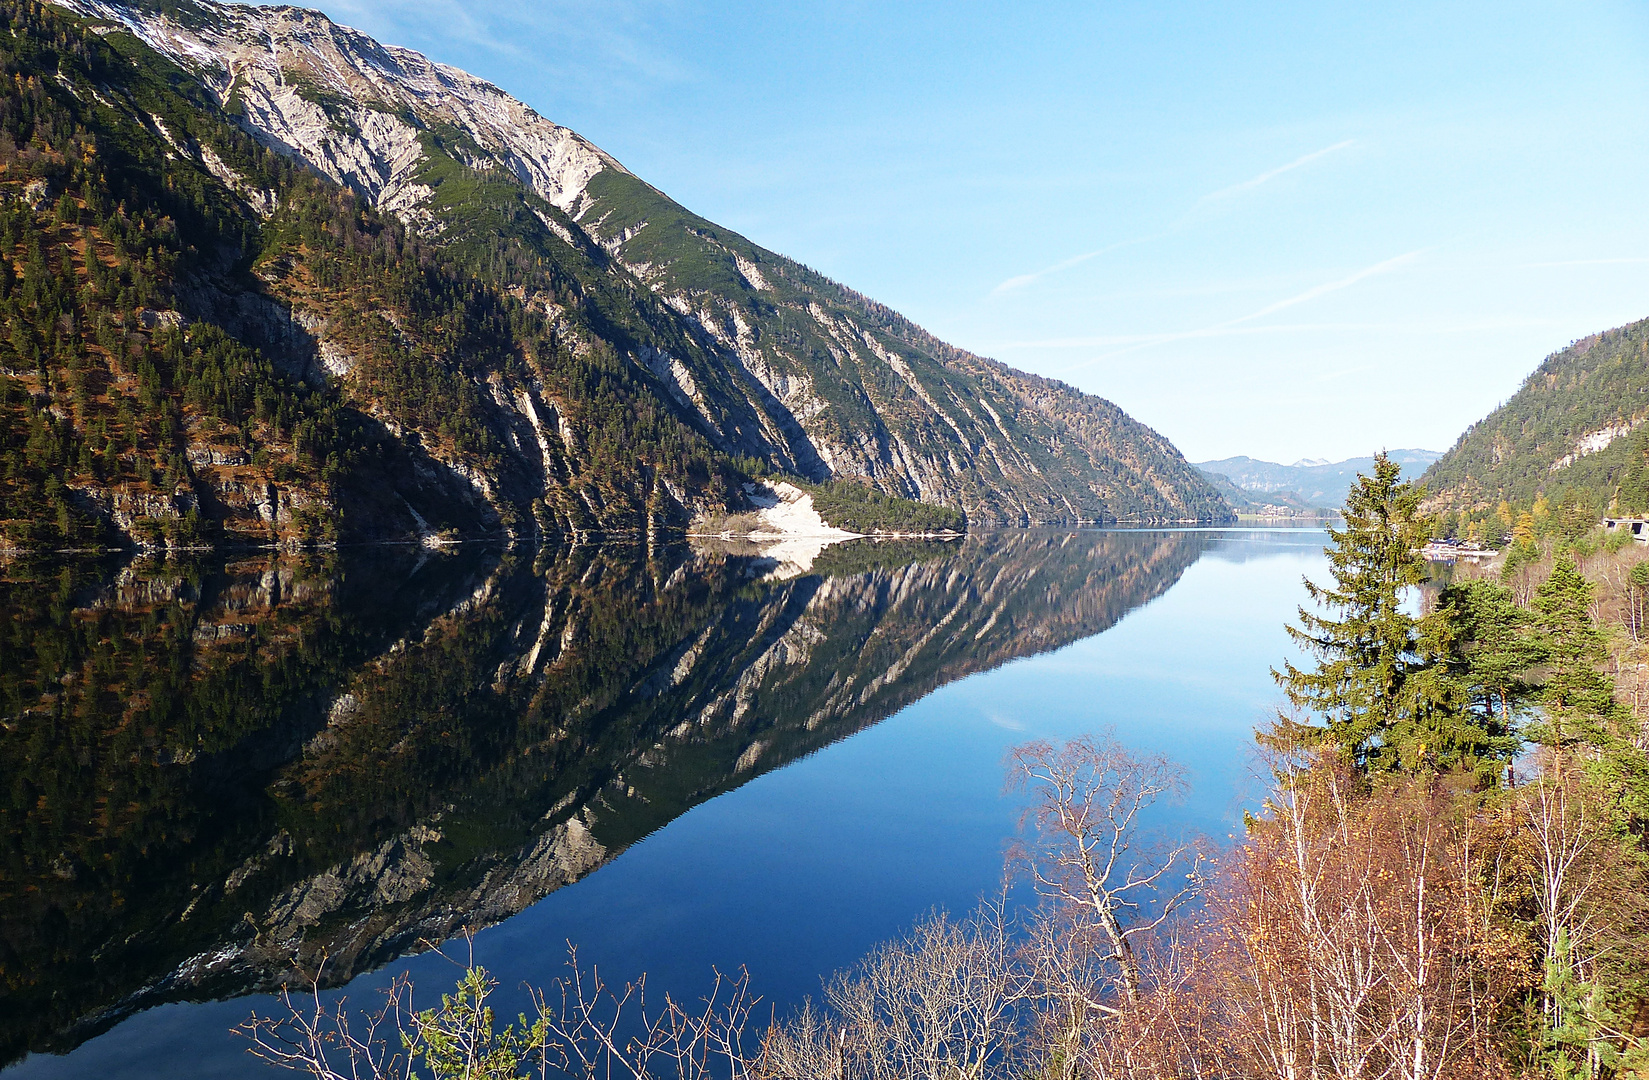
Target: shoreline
[636,535]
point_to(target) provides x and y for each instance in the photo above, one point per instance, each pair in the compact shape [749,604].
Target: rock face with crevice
[762,355]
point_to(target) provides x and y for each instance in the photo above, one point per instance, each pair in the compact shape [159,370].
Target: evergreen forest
[1570,444]
[161,383]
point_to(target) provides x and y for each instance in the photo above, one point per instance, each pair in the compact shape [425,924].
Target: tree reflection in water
[218,771]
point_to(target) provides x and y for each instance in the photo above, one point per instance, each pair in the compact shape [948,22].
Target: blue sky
[1279,230]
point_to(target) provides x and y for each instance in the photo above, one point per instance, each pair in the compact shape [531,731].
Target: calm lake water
[668,757]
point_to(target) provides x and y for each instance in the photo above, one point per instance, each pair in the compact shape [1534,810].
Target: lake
[676,759]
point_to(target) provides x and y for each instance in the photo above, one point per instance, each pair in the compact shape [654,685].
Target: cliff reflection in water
[214,774]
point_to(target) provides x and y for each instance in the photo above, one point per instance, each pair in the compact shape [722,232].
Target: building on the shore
[1638,527]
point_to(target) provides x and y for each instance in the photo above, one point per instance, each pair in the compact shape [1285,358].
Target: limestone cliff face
[357,110]
[764,356]
[355,758]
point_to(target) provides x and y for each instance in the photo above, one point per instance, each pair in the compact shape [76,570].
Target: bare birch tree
[1087,849]
[1347,920]
[937,1004]
[1587,877]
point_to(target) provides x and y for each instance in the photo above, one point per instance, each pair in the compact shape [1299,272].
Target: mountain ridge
[1316,482]
[766,359]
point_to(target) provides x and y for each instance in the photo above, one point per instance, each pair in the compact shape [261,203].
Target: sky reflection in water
[801,870]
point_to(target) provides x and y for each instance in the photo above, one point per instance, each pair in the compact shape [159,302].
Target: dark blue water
[802,869]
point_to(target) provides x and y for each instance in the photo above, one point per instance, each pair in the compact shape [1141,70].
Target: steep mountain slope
[1573,433]
[764,358]
[206,340]
[1319,483]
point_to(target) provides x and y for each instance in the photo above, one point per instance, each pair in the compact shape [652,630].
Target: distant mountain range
[1574,433]
[1574,436]
[282,283]
[1309,483]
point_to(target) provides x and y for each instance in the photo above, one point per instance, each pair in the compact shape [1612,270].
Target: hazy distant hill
[1315,482]
[1267,503]
[1573,432]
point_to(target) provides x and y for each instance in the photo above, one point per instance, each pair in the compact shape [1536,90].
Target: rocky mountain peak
[355,109]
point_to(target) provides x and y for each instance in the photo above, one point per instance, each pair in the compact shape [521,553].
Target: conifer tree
[1574,647]
[1579,713]
[1365,656]
[1493,645]
[1468,686]
[1392,690]
[1578,698]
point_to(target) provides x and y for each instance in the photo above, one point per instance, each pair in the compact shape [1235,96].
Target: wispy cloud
[1475,326]
[1585,262]
[1020,281]
[457,22]
[1333,286]
[1231,327]
[591,48]
[1272,174]
[1006,722]
[1023,280]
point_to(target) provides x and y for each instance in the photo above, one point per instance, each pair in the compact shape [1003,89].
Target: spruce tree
[1476,649]
[1392,691]
[1577,698]
[1366,655]
[1580,718]
[1495,645]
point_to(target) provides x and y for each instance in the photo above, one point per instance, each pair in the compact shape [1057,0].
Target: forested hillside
[506,328]
[182,308]
[1572,440]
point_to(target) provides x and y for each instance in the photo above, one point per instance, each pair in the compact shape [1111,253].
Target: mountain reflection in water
[215,773]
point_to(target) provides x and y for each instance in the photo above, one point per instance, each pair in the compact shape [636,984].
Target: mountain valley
[1303,487]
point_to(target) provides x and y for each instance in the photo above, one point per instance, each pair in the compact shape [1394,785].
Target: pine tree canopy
[1576,696]
[1393,690]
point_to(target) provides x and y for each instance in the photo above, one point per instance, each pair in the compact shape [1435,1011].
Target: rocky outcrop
[336,98]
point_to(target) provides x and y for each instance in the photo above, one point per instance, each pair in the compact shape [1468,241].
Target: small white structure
[1450,551]
[1638,527]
